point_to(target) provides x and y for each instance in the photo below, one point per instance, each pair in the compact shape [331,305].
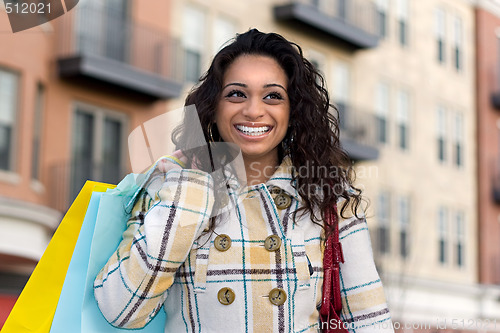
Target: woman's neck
[259,170]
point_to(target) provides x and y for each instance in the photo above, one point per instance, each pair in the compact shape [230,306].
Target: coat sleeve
[166,220]
[364,306]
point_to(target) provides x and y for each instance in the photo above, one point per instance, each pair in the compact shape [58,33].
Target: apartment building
[71,90]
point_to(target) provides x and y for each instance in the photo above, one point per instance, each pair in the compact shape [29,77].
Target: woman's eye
[274,95]
[235,93]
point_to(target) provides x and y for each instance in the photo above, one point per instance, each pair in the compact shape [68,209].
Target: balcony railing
[68,178]
[104,46]
[358,132]
[350,21]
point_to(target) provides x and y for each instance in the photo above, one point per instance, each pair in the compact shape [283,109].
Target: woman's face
[254,107]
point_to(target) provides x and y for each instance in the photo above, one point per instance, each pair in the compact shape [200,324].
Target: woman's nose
[254,109]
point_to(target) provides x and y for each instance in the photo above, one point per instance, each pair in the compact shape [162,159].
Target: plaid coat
[163,261]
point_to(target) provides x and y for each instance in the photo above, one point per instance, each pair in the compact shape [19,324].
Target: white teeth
[253,130]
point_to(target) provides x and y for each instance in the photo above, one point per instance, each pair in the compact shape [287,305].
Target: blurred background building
[416,84]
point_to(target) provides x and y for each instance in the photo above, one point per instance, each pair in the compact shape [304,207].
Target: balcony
[357,133]
[67,178]
[351,22]
[106,51]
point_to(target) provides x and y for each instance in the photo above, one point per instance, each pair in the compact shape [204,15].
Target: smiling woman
[258,265]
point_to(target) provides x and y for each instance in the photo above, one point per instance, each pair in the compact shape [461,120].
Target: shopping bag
[112,216]
[35,307]
[67,317]
[101,232]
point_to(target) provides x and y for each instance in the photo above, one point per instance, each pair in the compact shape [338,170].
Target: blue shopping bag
[100,235]
[68,312]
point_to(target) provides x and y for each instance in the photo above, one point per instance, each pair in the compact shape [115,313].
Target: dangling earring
[210,136]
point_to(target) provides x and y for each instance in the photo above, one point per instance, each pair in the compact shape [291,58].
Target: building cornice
[30,212]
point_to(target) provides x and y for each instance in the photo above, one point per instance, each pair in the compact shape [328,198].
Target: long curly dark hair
[312,140]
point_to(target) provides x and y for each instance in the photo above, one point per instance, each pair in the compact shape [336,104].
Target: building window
[403,119]
[341,92]
[458,43]
[383,216]
[193,40]
[443,235]
[342,9]
[460,239]
[103,29]
[404,225]
[224,29]
[402,12]
[9,85]
[440,34]
[382,7]
[458,145]
[37,131]
[382,112]
[97,147]
[441,133]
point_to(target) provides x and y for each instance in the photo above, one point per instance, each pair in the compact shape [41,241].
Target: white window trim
[345,96]
[382,100]
[226,19]
[402,10]
[440,23]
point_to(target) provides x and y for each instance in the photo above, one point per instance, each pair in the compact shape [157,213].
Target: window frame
[100,114]
[441,133]
[460,239]
[37,139]
[443,241]
[403,117]
[14,131]
[403,9]
[458,43]
[404,221]
[189,47]
[382,11]
[384,221]
[382,111]
[440,34]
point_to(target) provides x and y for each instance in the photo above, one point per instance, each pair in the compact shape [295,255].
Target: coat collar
[281,178]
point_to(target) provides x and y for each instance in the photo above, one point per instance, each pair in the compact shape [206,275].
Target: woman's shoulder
[151,179]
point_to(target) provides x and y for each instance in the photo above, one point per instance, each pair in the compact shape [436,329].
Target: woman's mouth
[253,131]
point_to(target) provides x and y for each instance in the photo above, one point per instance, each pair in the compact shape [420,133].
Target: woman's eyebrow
[245,86]
[274,85]
[234,84]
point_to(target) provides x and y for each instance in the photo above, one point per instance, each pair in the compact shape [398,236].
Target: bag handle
[331,304]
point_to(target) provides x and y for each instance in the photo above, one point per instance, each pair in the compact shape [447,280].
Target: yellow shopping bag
[35,307]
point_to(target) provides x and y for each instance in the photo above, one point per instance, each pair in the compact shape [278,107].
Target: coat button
[277,296]
[226,296]
[222,242]
[272,243]
[282,201]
